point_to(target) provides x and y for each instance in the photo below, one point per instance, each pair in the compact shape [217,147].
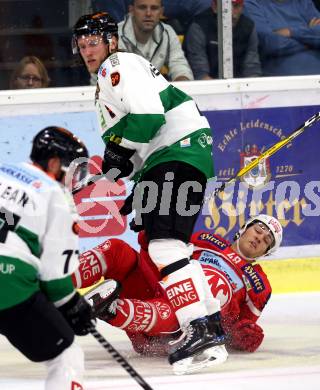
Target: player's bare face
[256,240]
[146,14]
[93,51]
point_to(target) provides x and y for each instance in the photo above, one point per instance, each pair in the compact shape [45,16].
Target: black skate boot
[201,347]
[103,298]
[214,326]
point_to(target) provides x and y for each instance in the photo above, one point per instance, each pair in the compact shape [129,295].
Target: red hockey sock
[151,317]
[90,270]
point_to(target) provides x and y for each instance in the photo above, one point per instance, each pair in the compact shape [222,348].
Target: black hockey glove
[134,227]
[116,156]
[78,313]
[126,208]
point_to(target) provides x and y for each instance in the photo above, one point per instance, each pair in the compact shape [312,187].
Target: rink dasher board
[61,106]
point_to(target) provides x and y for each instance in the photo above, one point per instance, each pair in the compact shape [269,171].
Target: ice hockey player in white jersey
[154,133]
[40,311]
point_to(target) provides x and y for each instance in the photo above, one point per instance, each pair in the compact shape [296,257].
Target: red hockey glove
[246,336]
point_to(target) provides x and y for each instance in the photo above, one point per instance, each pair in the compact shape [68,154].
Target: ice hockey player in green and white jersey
[40,311]
[154,133]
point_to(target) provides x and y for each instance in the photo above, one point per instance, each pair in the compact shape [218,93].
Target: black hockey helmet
[56,141]
[99,23]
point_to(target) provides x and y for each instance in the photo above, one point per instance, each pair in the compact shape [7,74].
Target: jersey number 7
[8,222]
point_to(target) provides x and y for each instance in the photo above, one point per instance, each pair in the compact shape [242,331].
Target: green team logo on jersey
[205,140]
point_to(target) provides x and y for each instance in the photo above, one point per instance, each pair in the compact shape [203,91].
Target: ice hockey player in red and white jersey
[142,308]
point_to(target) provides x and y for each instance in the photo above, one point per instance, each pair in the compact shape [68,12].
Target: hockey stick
[91,179]
[269,152]
[119,358]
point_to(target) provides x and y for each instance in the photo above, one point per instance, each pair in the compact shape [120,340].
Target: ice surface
[289,358]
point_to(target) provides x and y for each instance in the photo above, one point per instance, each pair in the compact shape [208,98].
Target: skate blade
[208,358]
[104,290]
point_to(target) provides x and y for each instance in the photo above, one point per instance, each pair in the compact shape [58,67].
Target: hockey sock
[182,280]
[151,317]
[184,289]
[92,267]
[212,304]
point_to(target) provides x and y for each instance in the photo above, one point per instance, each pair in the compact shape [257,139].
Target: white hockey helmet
[273,226]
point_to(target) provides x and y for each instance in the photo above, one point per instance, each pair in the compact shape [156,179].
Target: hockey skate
[202,346]
[103,299]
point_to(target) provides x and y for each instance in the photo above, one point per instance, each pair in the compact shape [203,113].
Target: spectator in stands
[182,10]
[29,73]
[201,44]
[289,36]
[143,33]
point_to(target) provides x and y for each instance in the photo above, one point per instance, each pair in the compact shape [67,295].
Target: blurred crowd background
[270,38]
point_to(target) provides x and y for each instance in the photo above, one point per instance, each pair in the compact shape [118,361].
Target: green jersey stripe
[31,239]
[136,127]
[58,288]
[149,123]
[117,129]
[172,97]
